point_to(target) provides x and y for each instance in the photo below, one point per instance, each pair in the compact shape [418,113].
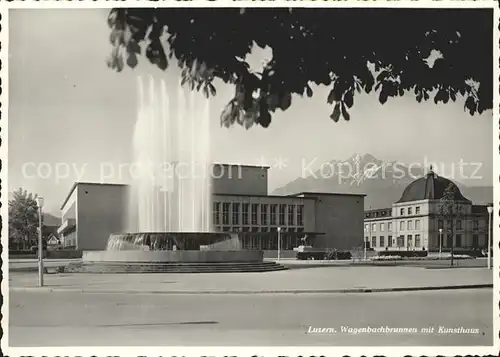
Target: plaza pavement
[75,319]
[326,279]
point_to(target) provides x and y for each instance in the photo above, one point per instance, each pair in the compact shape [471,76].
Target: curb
[254,292]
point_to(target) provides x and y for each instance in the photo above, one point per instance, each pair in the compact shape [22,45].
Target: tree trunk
[452,242]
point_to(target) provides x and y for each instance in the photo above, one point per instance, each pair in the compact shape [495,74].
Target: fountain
[169,211]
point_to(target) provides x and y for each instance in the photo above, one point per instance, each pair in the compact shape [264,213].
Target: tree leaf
[383,96]
[211,87]
[336,113]
[348,99]
[286,101]
[265,119]
[132,60]
[345,113]
[369,84]
[309,91]
[331,97]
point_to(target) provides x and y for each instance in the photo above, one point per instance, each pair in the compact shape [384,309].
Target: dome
[429,187]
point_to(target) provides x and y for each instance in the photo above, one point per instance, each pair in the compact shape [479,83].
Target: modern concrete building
[240,203]
[415,221]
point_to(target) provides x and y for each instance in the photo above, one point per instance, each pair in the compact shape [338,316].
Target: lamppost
[490,214]
[364,248]
[440,241]
[39,202]
[279,242]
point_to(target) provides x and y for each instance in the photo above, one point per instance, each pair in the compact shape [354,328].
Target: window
[417,210]
[382,241]
[374,227]
[225,213]
[402,212]
[236,214]
[263,214]
[449,223]
[409,211]
[440,224]
[366,228]
[282,215]
[274,209]
[244,212]
[459,224]
[216,213]
[291,214]
[475,225]
[381,227]
[255,207]
[389,241]
[402,226]
[367,239]
[417,224]
[401,241]
[410,225]
[458,242]
[374,242]
[475,241]
[410,241]
[389,227]
[417,240]
[300,216]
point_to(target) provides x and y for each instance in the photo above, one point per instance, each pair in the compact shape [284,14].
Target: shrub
[403,253]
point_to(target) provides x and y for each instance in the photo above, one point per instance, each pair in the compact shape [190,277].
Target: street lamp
[490,214]
[440,241]
[39,202]
[364,248]
[279,242]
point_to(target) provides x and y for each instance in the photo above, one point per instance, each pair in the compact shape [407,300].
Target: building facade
[240,203]
[415,222]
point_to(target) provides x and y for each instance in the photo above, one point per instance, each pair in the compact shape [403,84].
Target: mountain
[51,220]
[382,181]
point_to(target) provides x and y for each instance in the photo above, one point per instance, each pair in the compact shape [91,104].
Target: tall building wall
[102,210]
[340,217]
[239,180]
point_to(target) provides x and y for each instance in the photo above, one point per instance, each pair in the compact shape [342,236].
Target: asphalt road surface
[68,319]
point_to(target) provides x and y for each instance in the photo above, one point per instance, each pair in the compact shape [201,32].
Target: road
[66,319]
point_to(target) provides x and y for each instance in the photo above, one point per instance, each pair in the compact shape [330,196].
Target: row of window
[269,243]
[449,223]
[402,224]
[409,210]
[409,225]
[246,213]
[283,230]
[400,241]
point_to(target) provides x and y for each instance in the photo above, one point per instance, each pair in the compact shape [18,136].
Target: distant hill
[48,219]
[382,181]
[51,220]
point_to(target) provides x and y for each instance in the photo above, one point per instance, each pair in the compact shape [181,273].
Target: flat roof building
[240,203]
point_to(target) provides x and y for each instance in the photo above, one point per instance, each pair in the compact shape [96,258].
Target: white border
[241,350]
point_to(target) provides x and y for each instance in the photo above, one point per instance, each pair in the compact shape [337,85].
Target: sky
[70,116]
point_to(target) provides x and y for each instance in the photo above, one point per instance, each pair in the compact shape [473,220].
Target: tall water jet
[171,176]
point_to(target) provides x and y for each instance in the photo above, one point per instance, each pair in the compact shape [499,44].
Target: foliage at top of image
[443,55]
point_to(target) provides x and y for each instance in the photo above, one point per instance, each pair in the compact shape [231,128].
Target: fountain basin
[173,241]
[179,256]
[146,253]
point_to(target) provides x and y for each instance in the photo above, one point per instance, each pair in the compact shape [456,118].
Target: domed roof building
[430,187]
[417,220]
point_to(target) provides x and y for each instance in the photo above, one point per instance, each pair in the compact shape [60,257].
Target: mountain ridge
[383,182]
